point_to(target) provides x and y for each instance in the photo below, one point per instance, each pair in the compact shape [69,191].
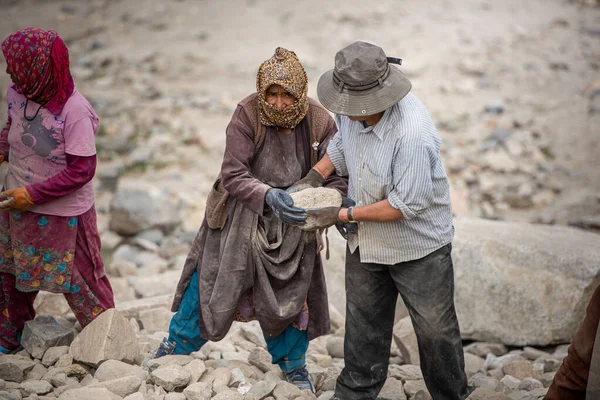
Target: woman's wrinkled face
[278,97]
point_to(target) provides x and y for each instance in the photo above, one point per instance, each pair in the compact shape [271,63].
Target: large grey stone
[261,390]
[405,372]
[137,208]
[121,386]
[171,377]
[261,359]
[89,394]
[37,387]
[198,391]
[114,369]
[108,337]
[392,390]
[14,368]
[156,319]
[523,284]
[42,333]
[53,354]
[155,285]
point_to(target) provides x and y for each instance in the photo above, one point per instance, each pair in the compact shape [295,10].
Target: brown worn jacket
[252,252]
[579,375]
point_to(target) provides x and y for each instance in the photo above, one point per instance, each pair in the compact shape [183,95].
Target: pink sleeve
[79,171]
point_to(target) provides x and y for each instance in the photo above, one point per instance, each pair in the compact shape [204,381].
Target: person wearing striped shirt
[400,230]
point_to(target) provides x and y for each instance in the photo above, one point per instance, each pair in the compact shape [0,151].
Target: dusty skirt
[39,249]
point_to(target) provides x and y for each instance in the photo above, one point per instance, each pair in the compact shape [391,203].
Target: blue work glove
[344,228]
[282,205]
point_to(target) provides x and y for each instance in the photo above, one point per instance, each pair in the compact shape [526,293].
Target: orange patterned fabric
[283,69]
[38,62]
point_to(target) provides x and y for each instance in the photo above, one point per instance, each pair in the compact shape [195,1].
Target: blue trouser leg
[289,348]
[184,329]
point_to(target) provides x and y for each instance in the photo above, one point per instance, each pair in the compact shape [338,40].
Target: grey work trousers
[427,288]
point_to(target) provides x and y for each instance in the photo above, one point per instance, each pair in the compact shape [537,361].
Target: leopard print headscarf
[283,69]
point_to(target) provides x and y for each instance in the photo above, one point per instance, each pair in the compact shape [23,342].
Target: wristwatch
[350,216]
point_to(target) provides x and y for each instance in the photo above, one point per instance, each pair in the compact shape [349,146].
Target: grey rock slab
[113,369]
[473,364]
[503,271]
[121,386]
[135,396]
[519,369]
[156,319]
[529,384]
[487,394]
[261,390]
[482,349]
[10,395]
[89,394]
[335,346]
[137,208]
[532,353]
[412,387]
[480,380]
[508,384]
[392,390]
[37,387]
[222,376]
[108,337]
[42,333]
[253,333]
[175,396]
[173,359]
[406,340]
[229,394]
[52,355]
[261,359]
[405,372]
[37,372]
[326,395]
[196,369]
[198,391]
[14,368]
[286,391]
[171,377]
[156,284]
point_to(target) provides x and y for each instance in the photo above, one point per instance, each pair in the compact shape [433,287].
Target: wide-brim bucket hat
[363,81]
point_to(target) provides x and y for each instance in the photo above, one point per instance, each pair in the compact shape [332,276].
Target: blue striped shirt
[397,159]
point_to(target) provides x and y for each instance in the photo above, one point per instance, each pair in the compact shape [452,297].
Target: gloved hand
[19,200]
[282,205]
[344,228]
[322,218]
[312,180]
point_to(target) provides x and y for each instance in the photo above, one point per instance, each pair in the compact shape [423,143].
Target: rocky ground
[55,365]
[513,87]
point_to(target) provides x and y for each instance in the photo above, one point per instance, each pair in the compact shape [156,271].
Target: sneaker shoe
[299,377]
[165,348]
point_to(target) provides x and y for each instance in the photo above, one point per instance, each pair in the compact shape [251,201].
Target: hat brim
[367,102]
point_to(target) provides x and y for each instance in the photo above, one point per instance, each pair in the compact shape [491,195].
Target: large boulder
[523,284]
[108,337]
[136,208]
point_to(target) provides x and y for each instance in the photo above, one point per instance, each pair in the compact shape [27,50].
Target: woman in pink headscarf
[48,234]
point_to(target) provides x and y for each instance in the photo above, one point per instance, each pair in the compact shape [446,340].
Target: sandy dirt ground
[539,58]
